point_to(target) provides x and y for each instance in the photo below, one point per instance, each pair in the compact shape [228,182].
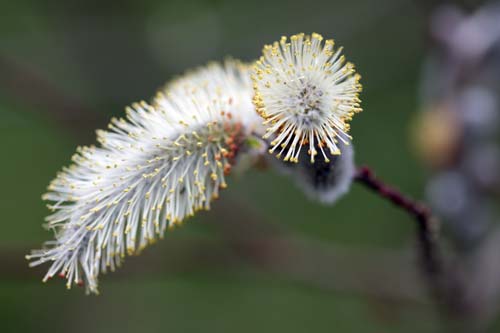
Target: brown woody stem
[427,225]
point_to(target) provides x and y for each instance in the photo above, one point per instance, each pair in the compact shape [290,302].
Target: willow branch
[427,225]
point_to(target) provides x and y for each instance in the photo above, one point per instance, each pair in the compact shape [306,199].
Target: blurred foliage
[105,55]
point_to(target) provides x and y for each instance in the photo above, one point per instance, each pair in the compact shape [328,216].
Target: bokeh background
[265,259]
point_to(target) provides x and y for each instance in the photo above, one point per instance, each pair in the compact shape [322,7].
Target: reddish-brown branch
[427,226]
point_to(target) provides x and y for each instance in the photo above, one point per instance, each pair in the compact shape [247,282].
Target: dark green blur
[99,57]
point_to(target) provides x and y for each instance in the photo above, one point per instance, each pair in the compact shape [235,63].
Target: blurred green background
[67,67]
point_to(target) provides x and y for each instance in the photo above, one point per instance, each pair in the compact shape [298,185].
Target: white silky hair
[324,182]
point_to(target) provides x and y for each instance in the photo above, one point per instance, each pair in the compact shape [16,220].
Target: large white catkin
[153,169]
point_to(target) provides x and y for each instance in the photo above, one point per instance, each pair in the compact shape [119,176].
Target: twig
[427,227]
